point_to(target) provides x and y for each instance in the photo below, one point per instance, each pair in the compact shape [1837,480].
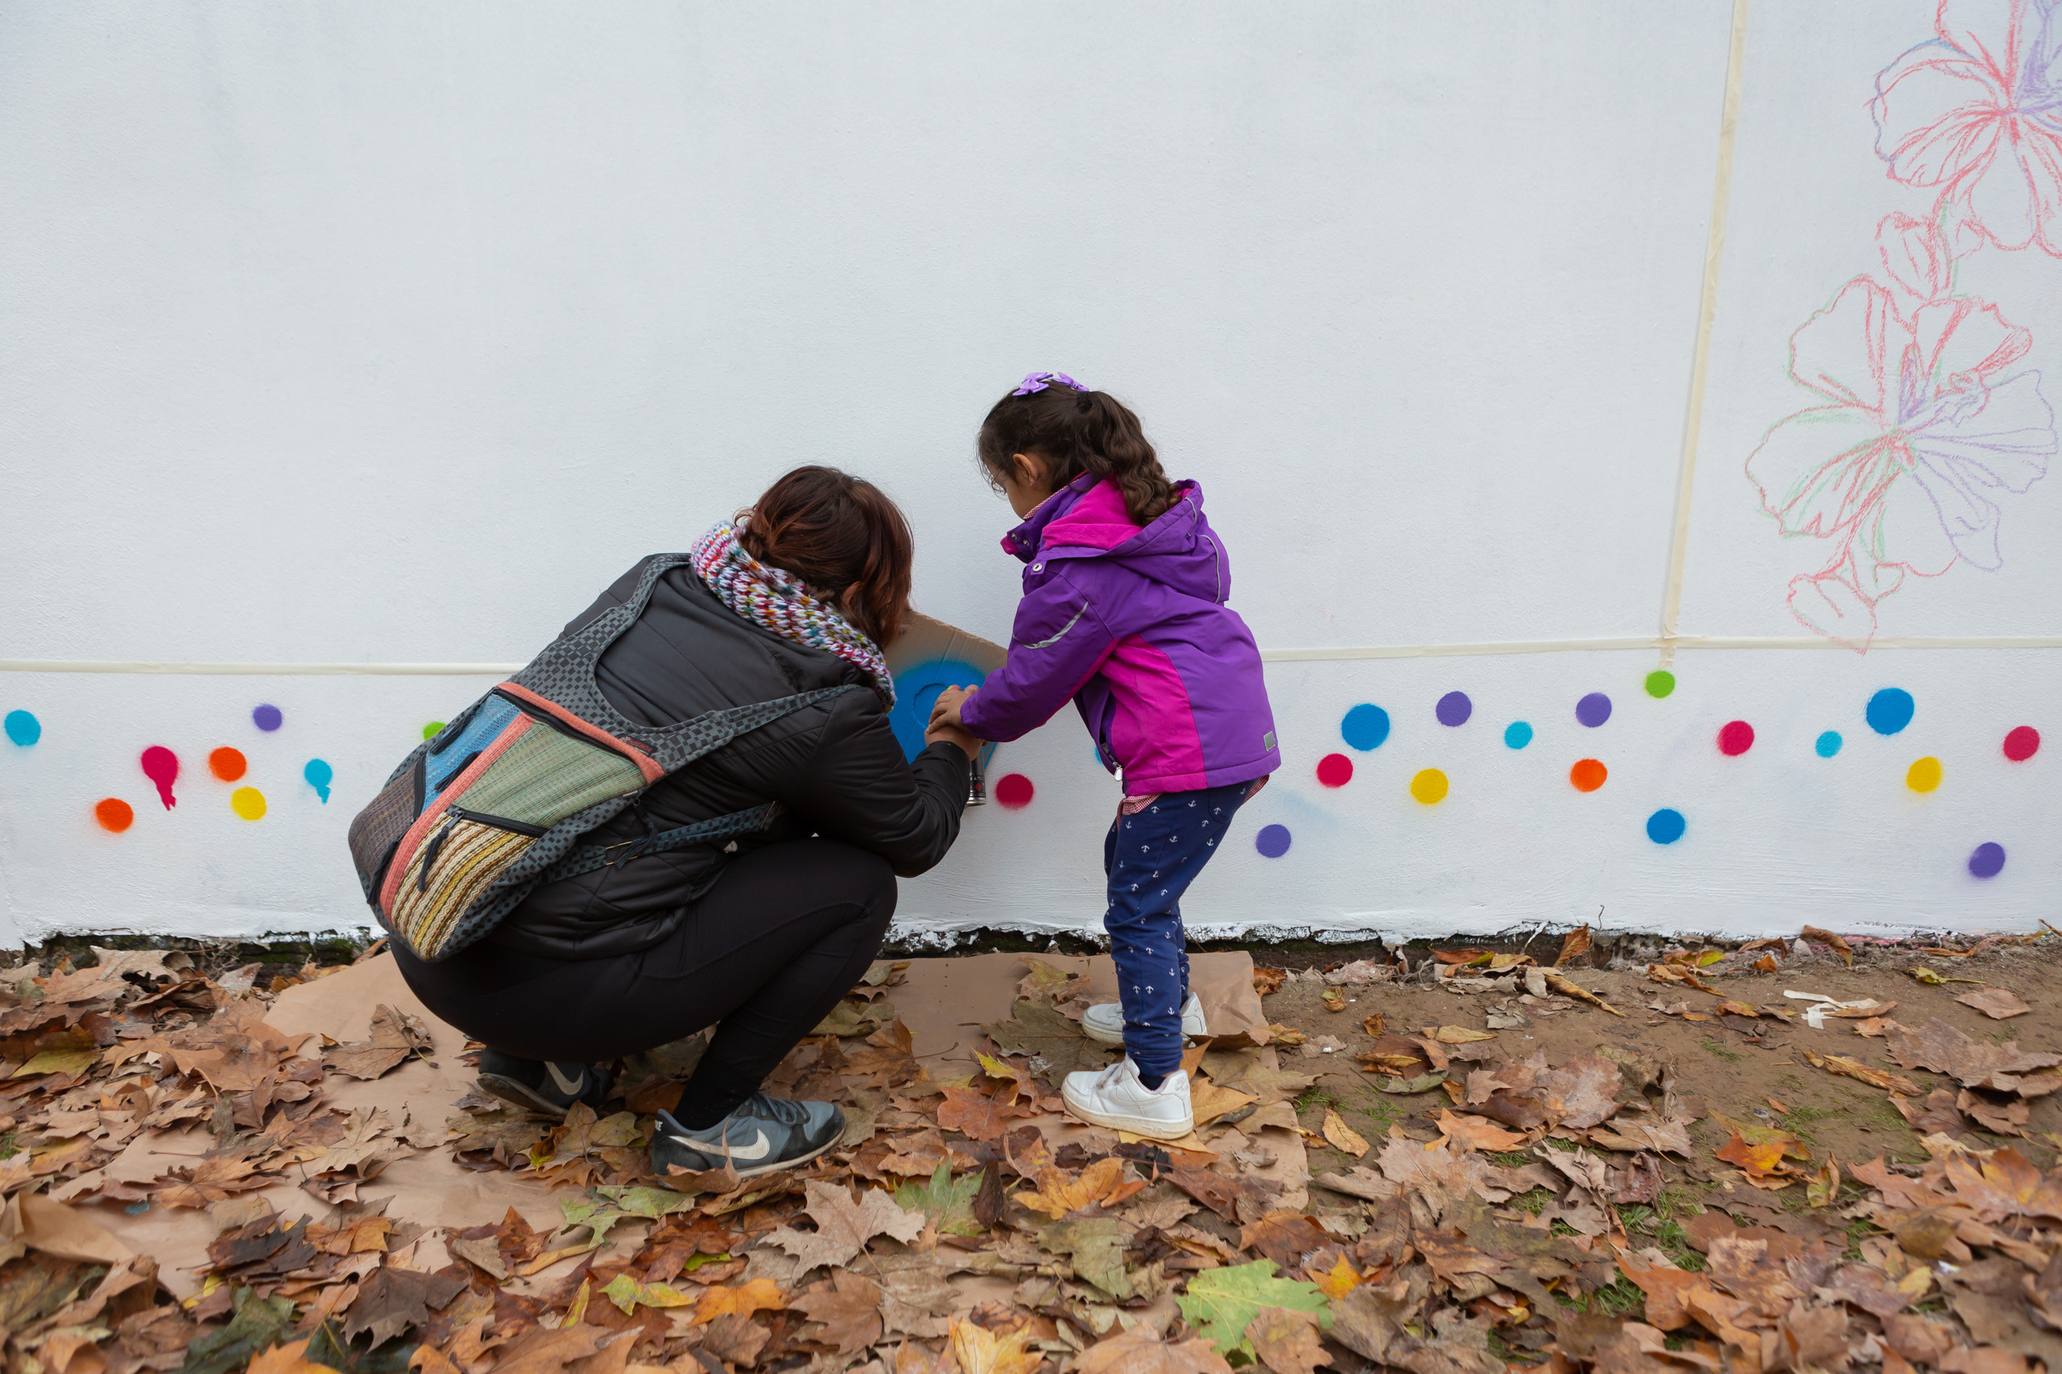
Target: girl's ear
[1031,470]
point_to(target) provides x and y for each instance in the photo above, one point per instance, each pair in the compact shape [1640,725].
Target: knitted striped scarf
[777,601]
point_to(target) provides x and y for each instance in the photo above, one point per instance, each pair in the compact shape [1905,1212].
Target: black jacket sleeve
[858,788]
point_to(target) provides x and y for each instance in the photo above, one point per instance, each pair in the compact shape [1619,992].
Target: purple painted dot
[1987,860]
[1593,710]
[1272,841]
[1454,709]
[267,717]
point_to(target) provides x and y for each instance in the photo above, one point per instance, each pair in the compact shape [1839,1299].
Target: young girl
[1124,613]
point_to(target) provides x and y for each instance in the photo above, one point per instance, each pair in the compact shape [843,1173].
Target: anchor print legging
[1151,857]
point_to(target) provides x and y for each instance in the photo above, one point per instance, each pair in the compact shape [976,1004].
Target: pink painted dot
[1735,737]
[161,766]
[2022,743]
[1335,770]
[1014,791]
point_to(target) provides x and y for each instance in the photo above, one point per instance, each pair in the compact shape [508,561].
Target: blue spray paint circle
[1890,710]
[1828,744]
[1518,734]
[22,728]
[1454,709]
[1272,841]
[1365,727]
[1987,860]
[267,717]
[1666,826]
[319,775]
[917,688]
[1593,710]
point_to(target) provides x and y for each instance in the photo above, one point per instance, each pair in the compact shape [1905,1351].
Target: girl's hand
[945,712]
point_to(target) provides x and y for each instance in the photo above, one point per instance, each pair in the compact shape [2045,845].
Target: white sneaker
[1115,1098]
[1104,1022]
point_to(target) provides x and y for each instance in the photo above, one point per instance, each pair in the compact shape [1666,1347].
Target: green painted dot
[429,730]
[1660,683]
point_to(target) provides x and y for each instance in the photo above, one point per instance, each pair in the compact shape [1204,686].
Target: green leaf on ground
[1221,1303]
[947,1201]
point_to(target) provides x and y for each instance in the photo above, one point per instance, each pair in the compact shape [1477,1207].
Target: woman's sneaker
[1104,1022]
[1115,1097]
[761,1135]
[541,1085]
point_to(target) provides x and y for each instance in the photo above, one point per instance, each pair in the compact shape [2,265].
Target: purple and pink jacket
[1130,623]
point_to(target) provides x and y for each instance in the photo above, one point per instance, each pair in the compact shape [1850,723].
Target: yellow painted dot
[1923,775]
[1429,786]
[248,802]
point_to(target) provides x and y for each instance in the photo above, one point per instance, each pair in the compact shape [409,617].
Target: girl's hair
[837,533]
[1077,431]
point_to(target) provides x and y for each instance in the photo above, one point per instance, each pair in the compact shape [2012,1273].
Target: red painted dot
[1335,770]
[227,764]
[2022,744]
[1588,774]
[1013,790]
[114,814]
[1735,737]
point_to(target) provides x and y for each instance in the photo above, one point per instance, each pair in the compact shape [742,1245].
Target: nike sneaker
[761,1135]
[542,1086]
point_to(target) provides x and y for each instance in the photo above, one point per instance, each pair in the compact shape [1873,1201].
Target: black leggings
[764,955]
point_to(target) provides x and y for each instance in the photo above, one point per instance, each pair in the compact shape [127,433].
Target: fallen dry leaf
[1139,1351]
[1574,945]
[843,1227]
[1816,936]
[981,1351]
[1104,1183]
[1287,1342]
[1333,999]
[1999,1004]
[1855,1069]
[1340,1136]
[392,1038]
[759,1295]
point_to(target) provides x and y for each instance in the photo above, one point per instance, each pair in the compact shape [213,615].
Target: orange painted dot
[227,764]
[1588,775]
[114,814]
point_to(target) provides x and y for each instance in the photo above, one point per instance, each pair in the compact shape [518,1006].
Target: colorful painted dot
[1428,785]
[1890,710]
[1454,709]
[1335,770]
[1987,860]
[1735,737]
[267,717]
[1518,734]
[248,802]
[1365,727]
[1666,826]
[1593,710]
[114,814]
[1013,791]
[22,728]
[1272,841]
[1828,744]
[161,766]
[1588,774]
[319,775]
[1660,683]
[1923,775]
[2022,743]
[227,764]
[431,729]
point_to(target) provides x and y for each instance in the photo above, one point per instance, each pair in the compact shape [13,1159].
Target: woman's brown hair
[839,534]
[1077,431]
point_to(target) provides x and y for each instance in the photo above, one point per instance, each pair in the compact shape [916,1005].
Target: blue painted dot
[22,728]
[1365,726]
[1890,710]
[1518,734]
[1987,860]
[1454,709]
[1666,826]
[1828,744]
[1593,710]
[1272,841]
[266,717]
[319,775]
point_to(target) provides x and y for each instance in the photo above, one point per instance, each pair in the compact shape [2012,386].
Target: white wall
[337,340]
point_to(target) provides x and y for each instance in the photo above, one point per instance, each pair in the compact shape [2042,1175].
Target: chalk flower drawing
[1924,415]
[1977,111]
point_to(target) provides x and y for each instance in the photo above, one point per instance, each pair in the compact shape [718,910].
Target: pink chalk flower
[1977,112]
[1924,423]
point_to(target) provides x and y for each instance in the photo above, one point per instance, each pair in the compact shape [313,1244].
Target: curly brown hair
[1076,432]
[839,534]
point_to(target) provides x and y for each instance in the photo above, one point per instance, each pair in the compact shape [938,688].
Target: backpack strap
[589,858]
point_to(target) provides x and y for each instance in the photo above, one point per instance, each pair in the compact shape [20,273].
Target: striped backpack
[499,800]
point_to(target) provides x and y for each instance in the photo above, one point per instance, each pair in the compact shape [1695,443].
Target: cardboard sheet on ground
[944,1002]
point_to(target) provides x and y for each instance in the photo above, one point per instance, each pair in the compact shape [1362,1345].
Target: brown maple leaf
[844,1312]
[976,1115]
[394,1301]
[393,1037]
[1104,1183]
[981,1351]
[843,1227]
[1139,1351]
[1287,1342]
[1999,1004]
[1977,1063]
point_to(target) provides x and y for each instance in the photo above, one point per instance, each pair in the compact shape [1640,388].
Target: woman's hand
[945,726]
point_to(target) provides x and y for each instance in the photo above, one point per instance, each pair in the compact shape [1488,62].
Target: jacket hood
[1087,520]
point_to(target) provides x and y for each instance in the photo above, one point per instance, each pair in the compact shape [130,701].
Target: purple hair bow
[1039,381]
